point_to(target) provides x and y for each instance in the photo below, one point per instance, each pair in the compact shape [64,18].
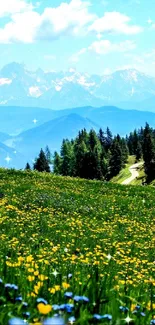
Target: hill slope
[16,119]
[10,157]
[118,120]
[51,133]
[81,230]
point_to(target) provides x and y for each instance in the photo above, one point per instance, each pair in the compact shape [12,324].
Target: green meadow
[77,248]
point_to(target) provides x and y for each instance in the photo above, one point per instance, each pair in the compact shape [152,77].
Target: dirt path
[134,173]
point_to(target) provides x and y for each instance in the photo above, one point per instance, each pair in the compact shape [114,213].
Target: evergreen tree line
[91,155]
[100,156]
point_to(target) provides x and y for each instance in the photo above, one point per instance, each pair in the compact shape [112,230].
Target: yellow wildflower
[44,309]
[65,285]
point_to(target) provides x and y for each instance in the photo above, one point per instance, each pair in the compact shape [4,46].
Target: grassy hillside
[97,236]
[124,173]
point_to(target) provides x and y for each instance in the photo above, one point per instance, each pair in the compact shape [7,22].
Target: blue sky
[93,36]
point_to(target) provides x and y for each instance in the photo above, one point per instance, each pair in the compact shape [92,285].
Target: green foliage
[57,161]
[91,156]
[98,236]
[67,158]
[125,172]
[116,162]
[102,156]
[149,153]
[48,154]
[41,164]
[27,167]
[139,151]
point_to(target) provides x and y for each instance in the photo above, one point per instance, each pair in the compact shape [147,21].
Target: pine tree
[125,151]
[102,138]
[41,164]
[80,154]
[57,161]
[93,140]
[138,151]
[149,153]
[129,140]
[94,169]
[104,167]
[67,158]
[115,163]
[135,141]
[48,154]
[109,139]
[27,167]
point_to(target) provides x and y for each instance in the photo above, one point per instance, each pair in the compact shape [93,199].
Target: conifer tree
[135,141]
[102,138]
[93,140]
[67,158]
[94,169]
[149,153]
[109,139]
[27,167]
[80,154]
[41,164]
[125,151]
[129,140]
[91,156]
[48,154]
[57,161]
[139,151]
[115,163]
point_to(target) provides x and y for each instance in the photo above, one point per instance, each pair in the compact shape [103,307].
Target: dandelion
[44,309]
[65,285]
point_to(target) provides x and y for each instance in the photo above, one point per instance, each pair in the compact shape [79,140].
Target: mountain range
[26,138]
[127,89]
[39,108]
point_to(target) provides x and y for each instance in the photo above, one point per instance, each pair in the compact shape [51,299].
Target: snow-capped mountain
[126,85]
[59,90]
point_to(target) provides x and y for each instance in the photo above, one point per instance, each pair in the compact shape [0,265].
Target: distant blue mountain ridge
[24,138]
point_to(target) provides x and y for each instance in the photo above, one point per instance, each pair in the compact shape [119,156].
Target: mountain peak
[71,88]
[13,69]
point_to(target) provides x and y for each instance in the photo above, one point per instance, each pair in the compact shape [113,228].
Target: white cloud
[66,18]
[114,22]
[105,47]
[58,88]
[21,28]
[9,7]
[5,81]
[74,18]
[28,26]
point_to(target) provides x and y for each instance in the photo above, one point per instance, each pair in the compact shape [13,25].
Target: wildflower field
[83,251]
